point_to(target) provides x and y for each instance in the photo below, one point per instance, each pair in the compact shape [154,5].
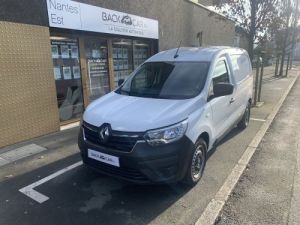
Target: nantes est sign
[78,16]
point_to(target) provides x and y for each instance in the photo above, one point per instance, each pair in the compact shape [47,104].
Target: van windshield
[167,80]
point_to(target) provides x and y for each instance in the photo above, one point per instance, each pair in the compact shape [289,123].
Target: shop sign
[78,16]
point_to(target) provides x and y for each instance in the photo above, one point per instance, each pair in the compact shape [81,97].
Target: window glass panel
[122,59]
[173,80]
[220,74]
[241,67]
[141,52]
[96,56]
[66,70]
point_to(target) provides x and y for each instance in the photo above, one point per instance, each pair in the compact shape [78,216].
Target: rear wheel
[196,164]
[246,118]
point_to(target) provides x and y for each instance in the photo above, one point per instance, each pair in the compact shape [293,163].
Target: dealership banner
[78,16]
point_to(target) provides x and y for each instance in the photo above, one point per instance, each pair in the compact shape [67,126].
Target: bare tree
[255,16]
[295,30]
[286,15]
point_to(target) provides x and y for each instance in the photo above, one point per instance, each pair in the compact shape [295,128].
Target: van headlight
[167,134]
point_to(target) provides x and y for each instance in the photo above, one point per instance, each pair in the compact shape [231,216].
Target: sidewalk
[269,190]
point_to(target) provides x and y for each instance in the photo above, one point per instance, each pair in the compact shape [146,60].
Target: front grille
[123,172]
[122,141]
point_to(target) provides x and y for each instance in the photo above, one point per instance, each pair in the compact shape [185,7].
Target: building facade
[57,56]
[241,38]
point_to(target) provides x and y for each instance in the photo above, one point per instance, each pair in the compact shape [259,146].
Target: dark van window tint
[220,74]
[241,67]
[168,80]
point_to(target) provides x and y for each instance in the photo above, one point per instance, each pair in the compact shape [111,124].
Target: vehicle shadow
[121,202]
[83,196]
[235,131]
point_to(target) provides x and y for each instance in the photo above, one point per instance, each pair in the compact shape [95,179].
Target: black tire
[246,118]
[197,163]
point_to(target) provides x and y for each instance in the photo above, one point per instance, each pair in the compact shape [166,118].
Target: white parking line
[40,198]
[260,120]
[69,126]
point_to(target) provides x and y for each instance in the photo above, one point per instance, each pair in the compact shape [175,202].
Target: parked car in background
[159,124]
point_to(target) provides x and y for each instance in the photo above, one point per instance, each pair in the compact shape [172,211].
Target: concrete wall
[241,41]
[244,42]
[178,20]
[24,11]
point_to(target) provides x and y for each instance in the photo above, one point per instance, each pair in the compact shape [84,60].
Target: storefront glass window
[96,56]
[65,55]
[141,52]
[122,58]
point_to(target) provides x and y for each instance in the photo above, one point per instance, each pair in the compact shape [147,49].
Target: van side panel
[243,79]
[200,121]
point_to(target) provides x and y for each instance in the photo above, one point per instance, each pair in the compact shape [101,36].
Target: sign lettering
[73,15]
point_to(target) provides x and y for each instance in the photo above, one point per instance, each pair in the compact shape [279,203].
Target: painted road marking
[40,198]
[70,126]
[255,119]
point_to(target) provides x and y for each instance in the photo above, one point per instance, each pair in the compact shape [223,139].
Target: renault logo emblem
[104,133]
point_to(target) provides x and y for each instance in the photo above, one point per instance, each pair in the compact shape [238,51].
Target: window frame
[210,94]
[227,68]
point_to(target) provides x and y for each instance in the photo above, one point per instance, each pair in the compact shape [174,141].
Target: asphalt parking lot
[82,196]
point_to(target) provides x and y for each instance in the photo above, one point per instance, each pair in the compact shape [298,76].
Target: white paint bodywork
[129,113]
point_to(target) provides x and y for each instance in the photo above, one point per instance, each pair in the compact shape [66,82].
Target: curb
[215,206]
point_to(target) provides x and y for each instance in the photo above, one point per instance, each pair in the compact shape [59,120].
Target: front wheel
[246,118]
[196,164]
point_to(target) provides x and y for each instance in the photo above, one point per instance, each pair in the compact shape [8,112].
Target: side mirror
[120,82]
[223,89]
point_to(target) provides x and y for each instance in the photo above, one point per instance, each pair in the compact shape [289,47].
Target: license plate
[105,158]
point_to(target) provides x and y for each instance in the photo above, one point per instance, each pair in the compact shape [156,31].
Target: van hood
[136,114]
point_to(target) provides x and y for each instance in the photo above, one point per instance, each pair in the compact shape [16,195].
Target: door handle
[231,100]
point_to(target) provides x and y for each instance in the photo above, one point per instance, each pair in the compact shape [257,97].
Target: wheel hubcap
[197,163]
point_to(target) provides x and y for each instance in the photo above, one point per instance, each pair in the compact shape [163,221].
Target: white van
[159,124]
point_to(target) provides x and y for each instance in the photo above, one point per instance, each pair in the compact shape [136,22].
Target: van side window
[220,74]
[241,67]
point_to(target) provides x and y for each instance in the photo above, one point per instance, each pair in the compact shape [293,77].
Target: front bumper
[144,164]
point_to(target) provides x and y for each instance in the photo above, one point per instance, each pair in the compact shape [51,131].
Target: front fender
[199,122]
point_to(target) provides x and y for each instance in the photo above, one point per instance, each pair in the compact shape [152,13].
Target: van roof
[206,54]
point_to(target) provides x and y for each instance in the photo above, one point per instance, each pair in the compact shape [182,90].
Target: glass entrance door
[97,65]
[65,55]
